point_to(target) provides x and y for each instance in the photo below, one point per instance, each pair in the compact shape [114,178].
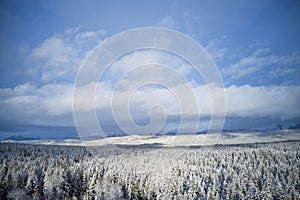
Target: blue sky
[255,45]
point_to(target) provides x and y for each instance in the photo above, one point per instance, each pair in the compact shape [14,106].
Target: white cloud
[215,47]
[59,57]
[130,62]
[260,59]
[50,103]
[272,101]
[183,21]
[28,104]
[167,22]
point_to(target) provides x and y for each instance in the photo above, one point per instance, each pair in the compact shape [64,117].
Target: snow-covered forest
[256,171]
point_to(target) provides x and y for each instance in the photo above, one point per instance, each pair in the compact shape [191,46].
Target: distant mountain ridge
[22,138]
[297,126]
[170,133]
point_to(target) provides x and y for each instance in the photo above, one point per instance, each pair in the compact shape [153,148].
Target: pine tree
[39,180]
[3,189]
[210,195]
[30,187]
[68,184]
[79,184]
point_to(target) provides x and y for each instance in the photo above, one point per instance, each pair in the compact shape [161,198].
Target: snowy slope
[201,139]
[181,140]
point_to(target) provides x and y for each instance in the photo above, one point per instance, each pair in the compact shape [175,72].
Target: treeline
[262,171]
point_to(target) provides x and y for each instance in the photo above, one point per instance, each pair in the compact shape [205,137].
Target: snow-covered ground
[256,171]
[181,140]
[200,139]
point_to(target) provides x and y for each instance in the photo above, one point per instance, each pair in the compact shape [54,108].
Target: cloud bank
[57,59]
[51,104]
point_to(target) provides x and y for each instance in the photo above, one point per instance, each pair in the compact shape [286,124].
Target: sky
[254,44]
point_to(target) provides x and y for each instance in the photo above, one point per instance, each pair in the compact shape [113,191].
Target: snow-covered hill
[180,140]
